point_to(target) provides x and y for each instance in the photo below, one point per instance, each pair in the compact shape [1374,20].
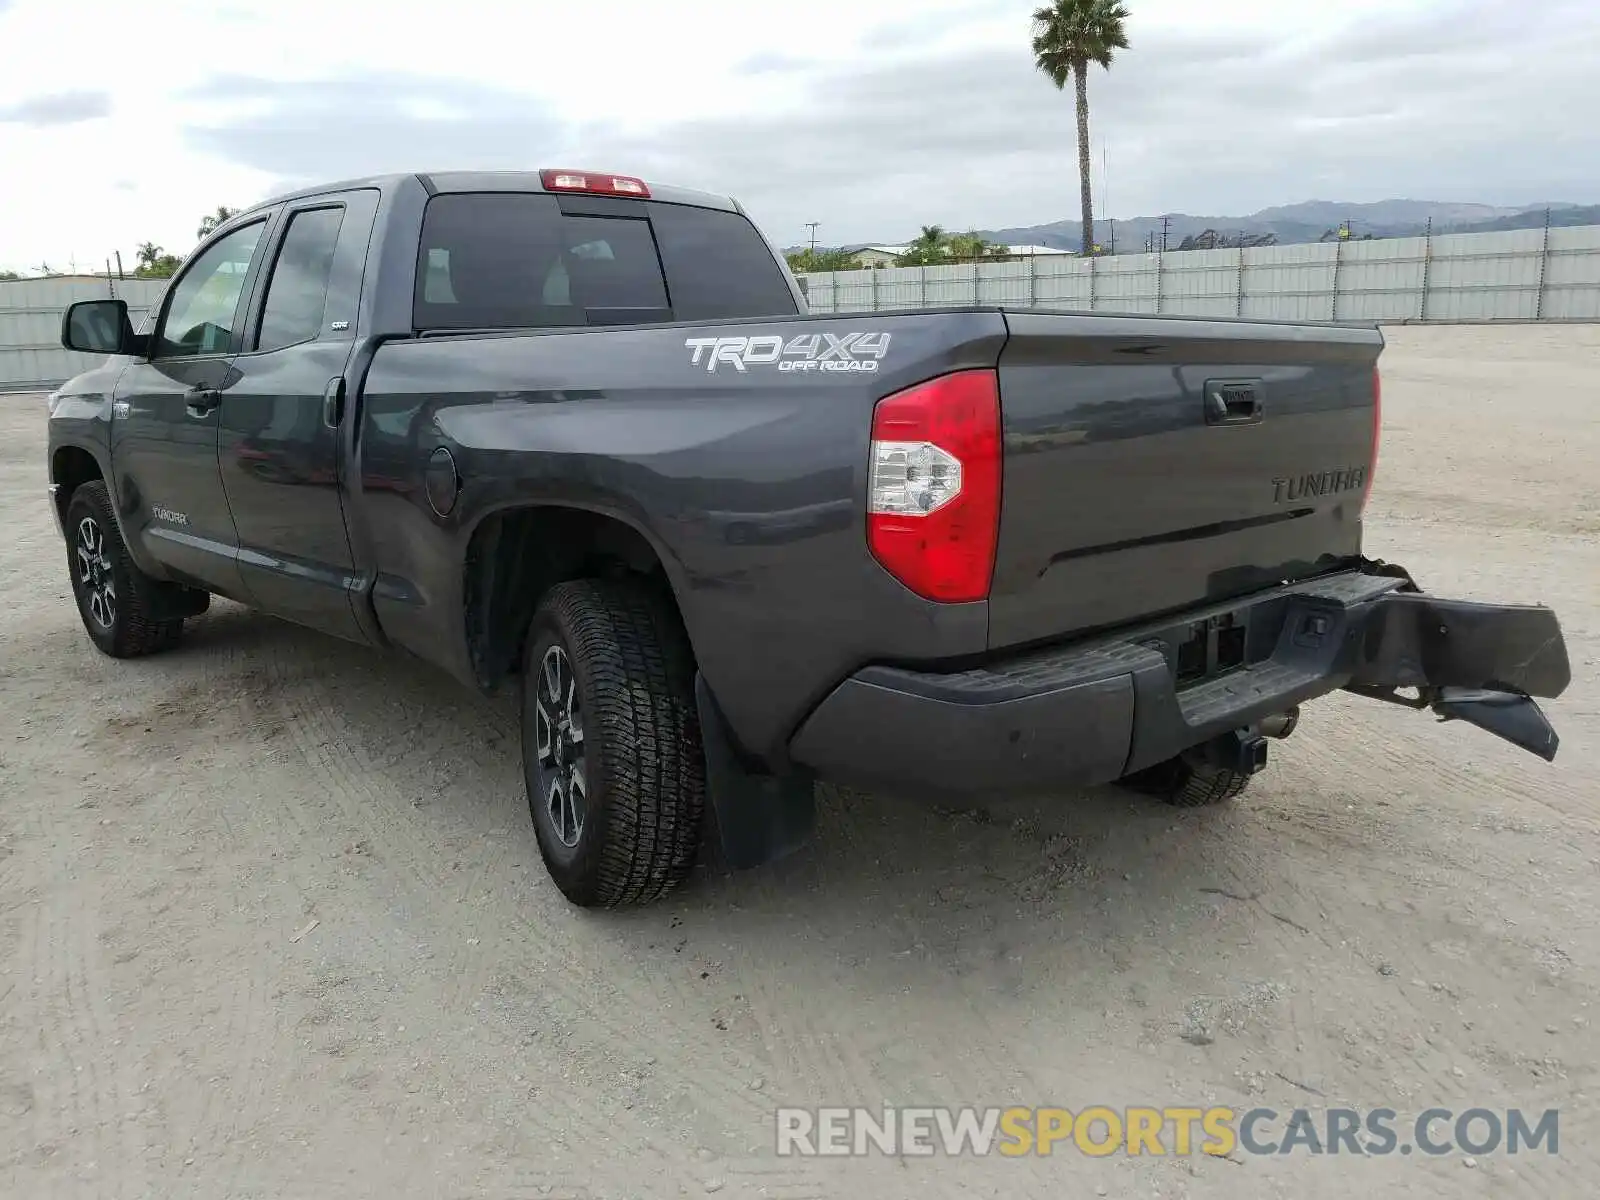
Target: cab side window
[201,315]
[297,292]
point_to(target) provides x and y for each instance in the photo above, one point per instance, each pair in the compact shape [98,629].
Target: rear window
[514,260]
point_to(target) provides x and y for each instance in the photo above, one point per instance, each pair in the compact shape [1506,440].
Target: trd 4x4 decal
[804,352]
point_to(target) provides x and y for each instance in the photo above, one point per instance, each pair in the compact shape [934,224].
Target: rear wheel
[611,744]
[1182,784]
[120,605]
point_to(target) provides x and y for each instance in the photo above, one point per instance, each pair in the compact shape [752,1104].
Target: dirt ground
[273,922]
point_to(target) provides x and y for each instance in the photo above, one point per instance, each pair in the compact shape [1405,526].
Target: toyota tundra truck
[576,433]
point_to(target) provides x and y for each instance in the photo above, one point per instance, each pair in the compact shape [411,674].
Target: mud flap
[757,817]
[1479,663]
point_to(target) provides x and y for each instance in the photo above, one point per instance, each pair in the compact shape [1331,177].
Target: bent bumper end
[1093,713]
[1517,719]
[1421,641]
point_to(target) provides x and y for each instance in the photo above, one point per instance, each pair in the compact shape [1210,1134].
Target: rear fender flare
[613,508]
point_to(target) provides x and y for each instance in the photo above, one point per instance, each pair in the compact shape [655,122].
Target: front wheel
[611,746]
[118,602]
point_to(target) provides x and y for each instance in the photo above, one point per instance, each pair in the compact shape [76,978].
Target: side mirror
[99,327]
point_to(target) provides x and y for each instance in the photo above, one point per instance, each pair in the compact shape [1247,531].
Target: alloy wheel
[559,745]
[95,574]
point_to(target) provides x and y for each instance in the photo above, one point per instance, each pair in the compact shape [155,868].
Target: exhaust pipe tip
[1280,725]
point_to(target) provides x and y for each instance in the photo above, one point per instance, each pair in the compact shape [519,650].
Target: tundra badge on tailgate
[1319,483]
[805,352]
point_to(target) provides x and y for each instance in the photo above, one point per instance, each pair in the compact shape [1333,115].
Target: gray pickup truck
[579,431]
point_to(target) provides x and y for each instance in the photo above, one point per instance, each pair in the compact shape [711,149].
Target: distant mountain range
[1307,222]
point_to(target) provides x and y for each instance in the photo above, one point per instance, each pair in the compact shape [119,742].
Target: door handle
[333,403]
[201,400]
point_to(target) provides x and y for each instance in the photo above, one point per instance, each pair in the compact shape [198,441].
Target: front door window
[205,301]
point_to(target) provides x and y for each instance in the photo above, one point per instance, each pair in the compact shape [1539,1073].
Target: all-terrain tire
[1201,789]
[1183,785]
[118,602]
[642,764]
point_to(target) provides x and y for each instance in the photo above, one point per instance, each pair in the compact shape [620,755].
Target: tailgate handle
[1233,401]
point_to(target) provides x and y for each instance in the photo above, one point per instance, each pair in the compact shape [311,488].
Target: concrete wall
[1523,275]
[31,357]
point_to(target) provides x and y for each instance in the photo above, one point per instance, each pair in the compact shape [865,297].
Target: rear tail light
[596,182]
[1377,432]
[933,501]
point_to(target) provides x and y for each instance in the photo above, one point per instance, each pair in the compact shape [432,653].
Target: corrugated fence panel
[1062,283]
[1382,281]
[1012,284]
[1201,283]
[899,287]
[1289,283]
[1572,275]
[30,326]
[1485,276]
[955,284]
[1125,283]
[1525,274]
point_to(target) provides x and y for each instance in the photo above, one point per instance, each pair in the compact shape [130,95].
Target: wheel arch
[72,466]
[516,553]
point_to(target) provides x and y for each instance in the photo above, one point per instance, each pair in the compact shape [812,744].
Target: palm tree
[927,248]
[149,254]
[1068,35]
[209,223]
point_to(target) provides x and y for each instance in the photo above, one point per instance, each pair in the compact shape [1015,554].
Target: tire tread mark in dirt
[332,748]
[73,1007]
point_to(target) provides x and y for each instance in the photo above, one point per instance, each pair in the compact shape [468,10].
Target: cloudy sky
[125,122]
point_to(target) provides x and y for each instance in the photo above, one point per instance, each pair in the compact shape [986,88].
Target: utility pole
[812,225]
[1166,223]
[1113,242]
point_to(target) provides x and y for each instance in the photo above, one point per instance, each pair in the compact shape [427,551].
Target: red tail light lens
[1377,432]
[599,183]
[933,501]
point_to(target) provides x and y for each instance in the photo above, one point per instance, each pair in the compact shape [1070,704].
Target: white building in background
[885,256]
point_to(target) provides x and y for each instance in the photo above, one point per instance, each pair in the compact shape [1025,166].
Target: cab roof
[435,182]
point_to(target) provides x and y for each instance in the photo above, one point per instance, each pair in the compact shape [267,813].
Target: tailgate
[1156,463]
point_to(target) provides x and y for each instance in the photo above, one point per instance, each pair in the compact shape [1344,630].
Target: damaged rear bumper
[1096,711]
[1479,663]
